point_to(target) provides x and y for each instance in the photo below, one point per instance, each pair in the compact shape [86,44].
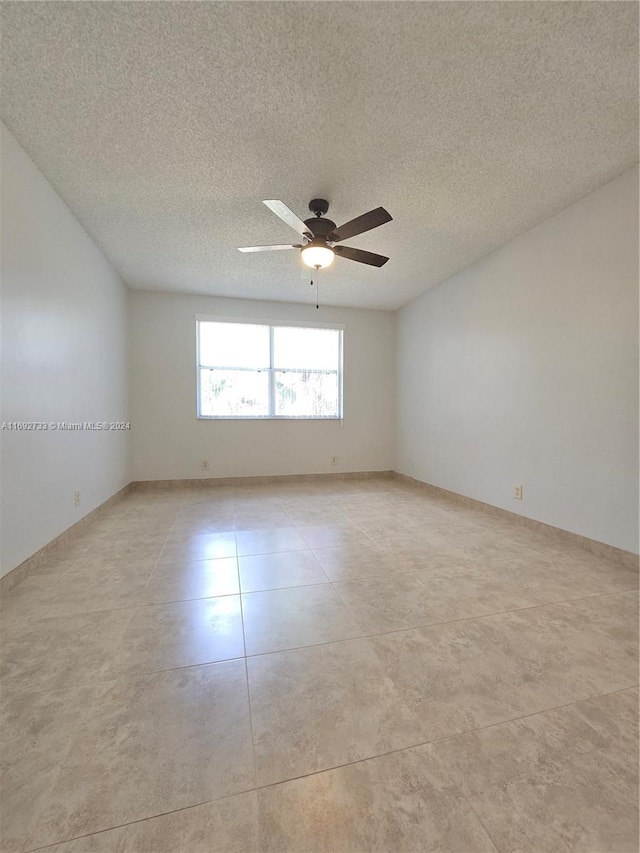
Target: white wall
[64,358]
[169,442]
[524,369]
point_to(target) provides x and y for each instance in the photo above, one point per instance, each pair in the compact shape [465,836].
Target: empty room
[319,447]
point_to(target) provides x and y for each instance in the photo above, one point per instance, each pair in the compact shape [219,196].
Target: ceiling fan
[320,235]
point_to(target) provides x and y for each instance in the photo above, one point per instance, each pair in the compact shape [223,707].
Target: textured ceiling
[163,125]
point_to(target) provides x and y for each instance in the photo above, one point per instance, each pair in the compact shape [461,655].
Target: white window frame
[296,324]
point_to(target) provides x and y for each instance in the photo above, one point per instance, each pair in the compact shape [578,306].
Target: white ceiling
[163,125]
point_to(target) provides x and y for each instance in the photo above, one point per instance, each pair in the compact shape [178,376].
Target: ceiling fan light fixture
[317,256]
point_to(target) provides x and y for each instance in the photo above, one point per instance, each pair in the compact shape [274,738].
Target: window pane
[307,349]
[234,345]
[306,394]
[234,393]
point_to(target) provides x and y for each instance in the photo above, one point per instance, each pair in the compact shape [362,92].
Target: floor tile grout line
[552,603]
[140,606]
[533,714]
[151,574]
[247,687]
[478,818]
[365,636]
[258,788]
[126,677]
[151,672]
[319,565]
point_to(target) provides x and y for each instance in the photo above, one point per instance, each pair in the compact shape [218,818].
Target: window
[254,370]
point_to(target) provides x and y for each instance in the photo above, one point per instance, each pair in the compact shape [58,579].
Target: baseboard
[600,549]
[67,537]
[213,482]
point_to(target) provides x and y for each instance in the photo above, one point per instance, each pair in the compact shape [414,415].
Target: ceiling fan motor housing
[319,227]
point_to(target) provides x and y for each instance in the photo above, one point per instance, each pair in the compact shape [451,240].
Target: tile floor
[354,666]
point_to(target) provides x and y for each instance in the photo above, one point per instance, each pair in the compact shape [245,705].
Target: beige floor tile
[95,568]
[262,521]
[612,716]
[318,516]
[556,644]
[60,561]
[426,559]
[199,537]
[299,616]
[269,541]
[455,678]
[36,732]
[322,706]
[333,536]
[575,581]
[229,825]
[60,651]
[118,527]
[75,592]
[610,576]
[209,546]
[589,568]
[532,580]
[276,571]
[498,585]
[417,552]
[383,604]
[195,579]
[186,528]
[465,675]
[446,594]
[212,504]
[563,780]
[182,633]
[398,802]
[347,562]
[616,616]
[634,692]
[126,549]
[152,745]
[410,600]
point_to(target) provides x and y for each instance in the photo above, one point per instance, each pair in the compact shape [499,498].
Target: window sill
[265,418]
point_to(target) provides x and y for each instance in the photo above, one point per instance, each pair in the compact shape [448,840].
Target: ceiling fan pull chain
[317,288]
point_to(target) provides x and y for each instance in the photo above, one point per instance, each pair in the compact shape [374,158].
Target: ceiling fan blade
[270,248]
[361,224]
[360,255]
[281,210]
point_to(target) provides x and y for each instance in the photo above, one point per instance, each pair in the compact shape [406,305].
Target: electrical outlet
[334,460]
[517,492]
[76,497]
[204,465]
